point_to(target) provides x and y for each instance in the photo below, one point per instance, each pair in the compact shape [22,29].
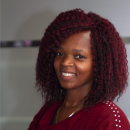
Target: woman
[81,68]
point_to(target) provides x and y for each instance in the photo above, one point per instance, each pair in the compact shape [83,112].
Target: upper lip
[65,71]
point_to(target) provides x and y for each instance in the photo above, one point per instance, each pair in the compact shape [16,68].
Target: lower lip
[67,77]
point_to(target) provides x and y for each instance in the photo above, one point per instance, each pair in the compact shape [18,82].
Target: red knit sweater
[102,116]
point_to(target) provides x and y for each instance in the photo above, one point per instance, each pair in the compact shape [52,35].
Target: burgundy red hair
[109,57]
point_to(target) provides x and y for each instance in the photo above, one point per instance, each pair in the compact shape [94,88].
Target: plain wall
[27,20]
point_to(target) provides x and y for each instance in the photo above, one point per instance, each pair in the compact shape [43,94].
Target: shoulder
[110,116]
[41,112]
[36,118]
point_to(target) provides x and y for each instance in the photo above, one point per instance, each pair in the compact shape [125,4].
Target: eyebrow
[77,50]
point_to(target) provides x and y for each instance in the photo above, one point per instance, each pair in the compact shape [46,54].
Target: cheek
[86,68]
[56,64]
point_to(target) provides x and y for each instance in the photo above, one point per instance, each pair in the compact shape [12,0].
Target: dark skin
[74,69]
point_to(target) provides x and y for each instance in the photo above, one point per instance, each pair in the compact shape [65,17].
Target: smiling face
[74,62]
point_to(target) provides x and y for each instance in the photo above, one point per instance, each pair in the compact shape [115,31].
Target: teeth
[67,74]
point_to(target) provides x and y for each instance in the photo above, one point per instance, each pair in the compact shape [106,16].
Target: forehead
[78,40]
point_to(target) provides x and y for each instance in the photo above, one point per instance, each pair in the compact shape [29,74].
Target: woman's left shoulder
[111,115]
[112,109]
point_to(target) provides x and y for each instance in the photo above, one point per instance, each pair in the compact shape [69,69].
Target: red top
[102,116]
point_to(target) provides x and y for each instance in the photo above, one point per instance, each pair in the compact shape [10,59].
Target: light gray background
[27,20]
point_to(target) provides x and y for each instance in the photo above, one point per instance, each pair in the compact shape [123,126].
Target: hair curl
[109,57]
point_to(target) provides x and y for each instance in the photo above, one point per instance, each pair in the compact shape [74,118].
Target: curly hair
[110,67]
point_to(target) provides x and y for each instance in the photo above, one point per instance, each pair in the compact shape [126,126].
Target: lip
[67,77]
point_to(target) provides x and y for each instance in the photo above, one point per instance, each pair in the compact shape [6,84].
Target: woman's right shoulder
[38,116]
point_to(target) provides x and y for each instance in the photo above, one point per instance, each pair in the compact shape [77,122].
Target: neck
[74,97]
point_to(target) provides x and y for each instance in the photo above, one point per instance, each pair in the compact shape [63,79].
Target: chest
[64,113]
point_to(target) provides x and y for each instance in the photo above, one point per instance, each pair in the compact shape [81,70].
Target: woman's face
[74,62]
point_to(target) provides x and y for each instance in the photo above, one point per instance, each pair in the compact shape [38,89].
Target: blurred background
[26,20]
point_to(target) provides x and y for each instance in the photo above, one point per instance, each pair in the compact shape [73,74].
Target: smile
[67,74]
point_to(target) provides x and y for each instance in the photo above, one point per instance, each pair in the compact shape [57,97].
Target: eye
[80,57]
[59,54]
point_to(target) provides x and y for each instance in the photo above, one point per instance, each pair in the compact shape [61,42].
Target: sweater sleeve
[111,117]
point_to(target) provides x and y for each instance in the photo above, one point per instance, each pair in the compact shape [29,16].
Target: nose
[67,62]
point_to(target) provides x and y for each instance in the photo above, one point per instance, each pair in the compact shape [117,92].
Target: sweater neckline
[48,115]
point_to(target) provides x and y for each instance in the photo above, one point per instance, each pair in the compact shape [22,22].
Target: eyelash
[59,54]
[80,56]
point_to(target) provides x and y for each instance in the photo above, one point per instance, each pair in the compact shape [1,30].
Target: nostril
[66,63]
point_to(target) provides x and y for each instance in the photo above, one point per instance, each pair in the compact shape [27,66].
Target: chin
[68,86]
